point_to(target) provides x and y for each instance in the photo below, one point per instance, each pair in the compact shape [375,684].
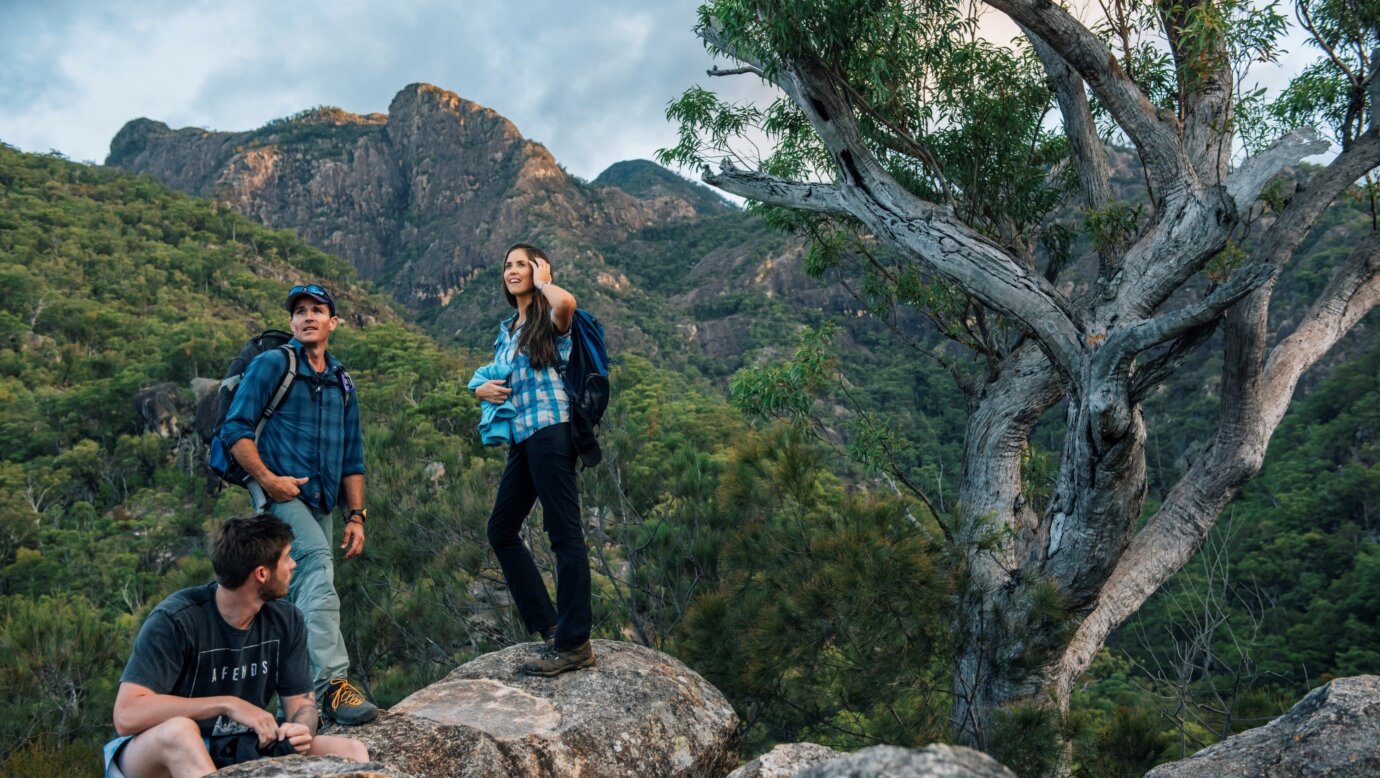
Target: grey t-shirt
[186,648]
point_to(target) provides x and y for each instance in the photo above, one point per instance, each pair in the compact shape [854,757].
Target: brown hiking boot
[554,661]
[345,704]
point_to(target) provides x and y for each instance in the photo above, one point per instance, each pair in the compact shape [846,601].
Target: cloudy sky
[589,79]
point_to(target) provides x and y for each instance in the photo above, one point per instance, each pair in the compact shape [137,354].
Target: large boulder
[635,713]
[206,392]
[1334,731]
[160,410]
[310,767]
[785,760]
[936,761]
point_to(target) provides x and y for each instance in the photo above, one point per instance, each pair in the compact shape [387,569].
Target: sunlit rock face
[635,713]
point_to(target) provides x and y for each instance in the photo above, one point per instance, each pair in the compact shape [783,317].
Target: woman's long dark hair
[538,338]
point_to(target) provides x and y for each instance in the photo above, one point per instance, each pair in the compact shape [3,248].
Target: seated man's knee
[178,737]
[179,729]
[339,746]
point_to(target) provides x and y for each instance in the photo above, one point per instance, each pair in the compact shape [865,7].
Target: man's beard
[272,589]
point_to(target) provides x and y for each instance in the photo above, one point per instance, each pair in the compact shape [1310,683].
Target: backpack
[586,376]
[220,460]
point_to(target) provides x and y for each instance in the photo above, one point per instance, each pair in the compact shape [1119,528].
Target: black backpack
[586,377]
[221,462]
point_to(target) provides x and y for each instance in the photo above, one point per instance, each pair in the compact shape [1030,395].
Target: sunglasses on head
[316,289]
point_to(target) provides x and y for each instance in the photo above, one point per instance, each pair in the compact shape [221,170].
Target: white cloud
[589,80]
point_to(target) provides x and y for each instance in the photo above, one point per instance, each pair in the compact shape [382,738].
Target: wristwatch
[360,512]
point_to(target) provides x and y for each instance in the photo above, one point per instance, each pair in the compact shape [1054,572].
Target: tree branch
[1086,147]
[1259,400]
[821,198]
[1246,182]
[1167,256]
[1131,339]
[1156,370]
[717,71]
[1298,217]
[894,215]
[1156,138]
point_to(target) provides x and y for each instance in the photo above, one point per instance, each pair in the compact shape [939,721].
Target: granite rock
[635,713]
[1333,731]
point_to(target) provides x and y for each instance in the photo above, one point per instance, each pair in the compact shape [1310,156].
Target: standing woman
[541,463]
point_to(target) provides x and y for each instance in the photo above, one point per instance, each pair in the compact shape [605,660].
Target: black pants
[543,467]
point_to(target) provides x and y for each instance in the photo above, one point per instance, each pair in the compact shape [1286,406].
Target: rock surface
[1334,731]
[160,410]
[785,761]
[310,767]
[636,713]
[936,761]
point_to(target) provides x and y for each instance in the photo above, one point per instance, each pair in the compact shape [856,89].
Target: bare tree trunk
[1044,586]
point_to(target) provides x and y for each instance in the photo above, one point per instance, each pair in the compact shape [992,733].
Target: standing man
[208,660]
[309,457]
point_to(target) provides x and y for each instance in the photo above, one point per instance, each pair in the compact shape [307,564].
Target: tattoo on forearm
[306,715]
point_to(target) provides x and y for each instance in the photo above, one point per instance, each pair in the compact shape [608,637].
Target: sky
[590,80]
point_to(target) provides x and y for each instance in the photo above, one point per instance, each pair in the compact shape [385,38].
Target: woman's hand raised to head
[541,272]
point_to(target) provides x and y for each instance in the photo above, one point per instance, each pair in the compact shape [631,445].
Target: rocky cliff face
[423,200]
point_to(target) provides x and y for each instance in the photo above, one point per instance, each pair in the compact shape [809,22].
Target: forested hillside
[795,580]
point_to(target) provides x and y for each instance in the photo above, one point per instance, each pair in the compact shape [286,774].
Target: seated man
[210,658]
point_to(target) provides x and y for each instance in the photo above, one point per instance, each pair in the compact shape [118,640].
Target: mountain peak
[647,180]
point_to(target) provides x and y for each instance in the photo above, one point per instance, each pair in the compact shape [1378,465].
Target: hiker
[541,463]
[207,661]
[308,457]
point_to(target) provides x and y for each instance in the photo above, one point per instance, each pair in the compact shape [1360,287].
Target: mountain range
[424,200]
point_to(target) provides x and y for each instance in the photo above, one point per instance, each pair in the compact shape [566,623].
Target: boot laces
[345,695]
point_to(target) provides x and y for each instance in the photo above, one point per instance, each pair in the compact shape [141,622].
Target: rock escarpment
[1334,731]
[636,713]
[422,201]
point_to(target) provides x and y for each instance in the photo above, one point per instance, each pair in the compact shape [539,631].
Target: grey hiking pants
[312,588]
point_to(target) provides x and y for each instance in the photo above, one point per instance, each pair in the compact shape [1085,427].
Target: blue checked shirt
[314,434]
[538,395]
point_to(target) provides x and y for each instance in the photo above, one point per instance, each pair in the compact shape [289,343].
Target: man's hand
[261,721]
[281,488]
[353,543]
[297,734]
[493,392]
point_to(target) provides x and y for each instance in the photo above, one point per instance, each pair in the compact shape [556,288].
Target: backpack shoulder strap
[284,384]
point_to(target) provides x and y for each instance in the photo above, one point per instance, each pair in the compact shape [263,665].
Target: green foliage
[1130,744]
[1329,93]
[59,668]
[836,607]
[788,391]
[1029,739]
[1114,226]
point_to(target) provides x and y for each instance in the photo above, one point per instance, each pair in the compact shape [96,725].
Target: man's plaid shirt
[314,434]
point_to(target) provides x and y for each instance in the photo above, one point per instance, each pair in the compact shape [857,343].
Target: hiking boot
[345,704]
[554,661]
